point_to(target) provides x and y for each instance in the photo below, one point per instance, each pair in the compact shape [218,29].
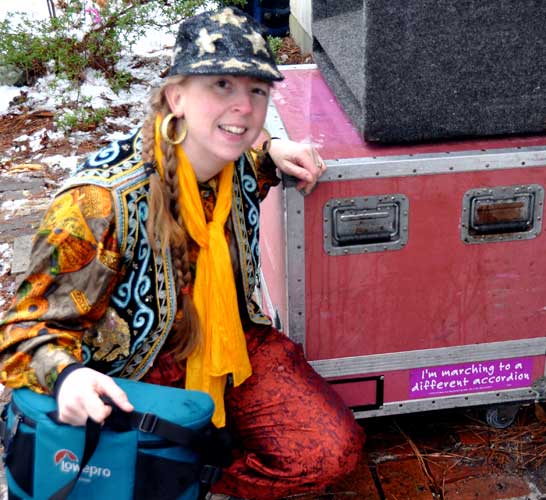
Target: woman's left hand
[300,160]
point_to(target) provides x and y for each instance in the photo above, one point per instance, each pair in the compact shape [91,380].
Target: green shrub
[275,43]
[83,118]
[81,35]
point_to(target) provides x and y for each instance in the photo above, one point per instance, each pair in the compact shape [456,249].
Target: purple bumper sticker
[471,377]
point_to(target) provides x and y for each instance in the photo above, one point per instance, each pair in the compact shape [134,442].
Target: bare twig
[432,482]
[51,9]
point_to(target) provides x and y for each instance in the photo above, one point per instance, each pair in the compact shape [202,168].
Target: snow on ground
[148,58]
[6,254]
[51,93]
[33,8]
[7,93]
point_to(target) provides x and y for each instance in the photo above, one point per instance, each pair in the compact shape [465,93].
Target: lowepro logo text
[67,461]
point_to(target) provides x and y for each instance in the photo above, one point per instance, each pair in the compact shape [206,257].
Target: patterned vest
[144,298]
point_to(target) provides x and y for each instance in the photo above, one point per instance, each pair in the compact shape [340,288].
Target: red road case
[414,276]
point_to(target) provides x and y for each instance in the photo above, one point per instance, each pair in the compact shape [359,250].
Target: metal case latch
[502,213]
[365,224]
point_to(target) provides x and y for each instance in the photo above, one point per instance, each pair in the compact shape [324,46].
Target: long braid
[165,223]
[188,319]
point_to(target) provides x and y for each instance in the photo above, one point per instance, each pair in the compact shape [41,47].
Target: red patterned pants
[296,434]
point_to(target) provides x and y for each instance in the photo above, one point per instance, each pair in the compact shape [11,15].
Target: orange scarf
[223,350]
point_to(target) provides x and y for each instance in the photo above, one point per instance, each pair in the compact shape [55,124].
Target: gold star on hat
[227,16]
[209,62]
[258,42]
[205,42]
[265,67]
[235,63]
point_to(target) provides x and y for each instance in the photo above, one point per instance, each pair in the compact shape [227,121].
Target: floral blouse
[74,268]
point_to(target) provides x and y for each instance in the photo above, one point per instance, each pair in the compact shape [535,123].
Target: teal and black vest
[145,297]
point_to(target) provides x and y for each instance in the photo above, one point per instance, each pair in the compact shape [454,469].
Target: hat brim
[266,72]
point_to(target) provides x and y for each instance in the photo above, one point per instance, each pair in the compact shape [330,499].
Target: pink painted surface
[311,112]
[272,253]
[357,393]
[435,292]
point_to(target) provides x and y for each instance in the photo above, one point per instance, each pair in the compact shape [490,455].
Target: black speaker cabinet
[420,70]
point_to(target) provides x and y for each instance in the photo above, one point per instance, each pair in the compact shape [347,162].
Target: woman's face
[224,115]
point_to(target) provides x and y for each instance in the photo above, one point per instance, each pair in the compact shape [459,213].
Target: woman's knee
[342,450]
[324,454]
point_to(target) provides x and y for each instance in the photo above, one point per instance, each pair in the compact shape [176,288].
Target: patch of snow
[65,163]
[6,253]
[10,289]
[35,9]
[55,135]
[154,41]
[50,93]
[96,90]
[7,93]
[12,205]
[35,140]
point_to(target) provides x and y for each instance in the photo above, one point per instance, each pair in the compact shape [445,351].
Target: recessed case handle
[365,224]
[502,213]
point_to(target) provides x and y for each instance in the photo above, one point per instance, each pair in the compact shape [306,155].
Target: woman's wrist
[62,376]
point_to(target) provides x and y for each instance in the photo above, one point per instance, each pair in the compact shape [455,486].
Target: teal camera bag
[166,449]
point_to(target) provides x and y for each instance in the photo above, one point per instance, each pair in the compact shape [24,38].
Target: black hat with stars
[223,42]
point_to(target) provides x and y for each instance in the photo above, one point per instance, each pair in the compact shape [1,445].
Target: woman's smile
[224,115]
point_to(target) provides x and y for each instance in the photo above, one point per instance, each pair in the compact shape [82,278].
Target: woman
[146,264]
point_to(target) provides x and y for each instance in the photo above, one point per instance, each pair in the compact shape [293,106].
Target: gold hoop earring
[265,146]
[165,130]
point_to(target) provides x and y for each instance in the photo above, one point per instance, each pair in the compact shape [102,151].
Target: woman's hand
[300,160]
[79,397]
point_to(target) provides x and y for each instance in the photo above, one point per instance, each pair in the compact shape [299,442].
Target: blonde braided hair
[165,224]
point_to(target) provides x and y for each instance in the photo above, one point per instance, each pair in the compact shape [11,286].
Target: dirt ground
[451,455]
